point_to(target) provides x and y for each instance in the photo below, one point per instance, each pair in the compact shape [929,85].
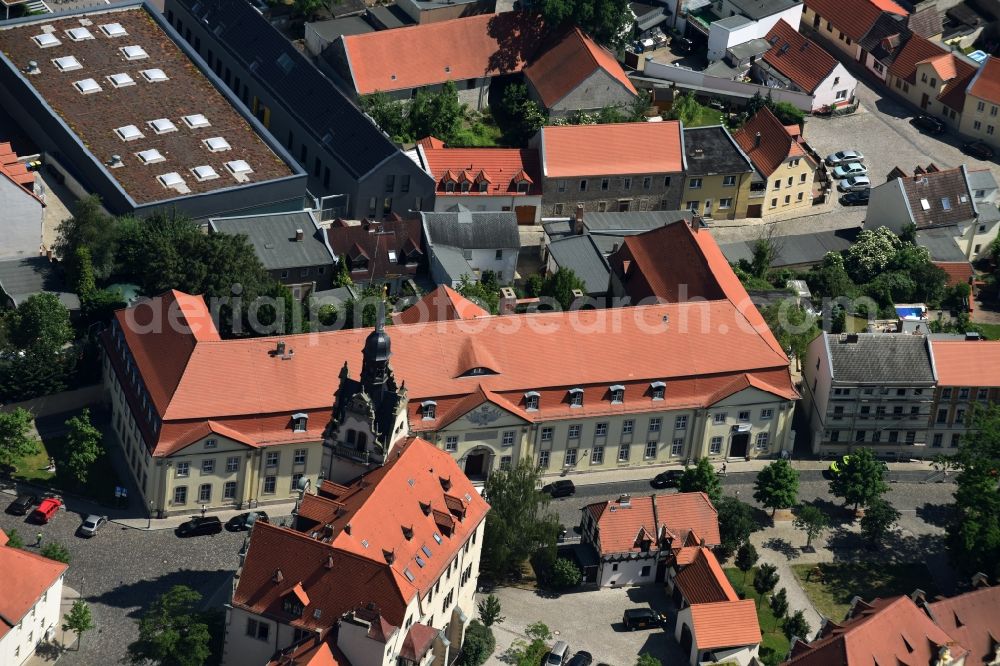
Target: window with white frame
[576,397]
[229,490]
[546,434]
[180,495]
[657,390]
[601,430]
[617,394]
[766,414]
[211,443]
[654,424]
[205,492]
[451,443]
[531,401]
[183,469]
[623,451]
[571,456]
[715,445]
[761,441]
[208,466]
[597,456]
[677,447]
[650,451]
[719,418]
[271,458]
[504,462]
[627,426]
[543,459]
[744,415]
[270,484]
[429,410]
[574,432]
[299,457]
[729,181]
[681,422]
[508,438]
[300,422]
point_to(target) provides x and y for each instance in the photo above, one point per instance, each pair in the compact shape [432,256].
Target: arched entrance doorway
[478,462]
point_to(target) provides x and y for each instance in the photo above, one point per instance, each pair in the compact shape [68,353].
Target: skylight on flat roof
[134,52]
[162,125]
[239,166]
[196,120]
[46,40]
[153,75]
[121,80]
[128,133]
[204,172]
[66,63]
[172,179]
[113,30]
[216,144]
[87,86]
[79,34]
[150,156]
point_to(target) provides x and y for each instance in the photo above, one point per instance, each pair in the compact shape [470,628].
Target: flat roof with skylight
[139,104]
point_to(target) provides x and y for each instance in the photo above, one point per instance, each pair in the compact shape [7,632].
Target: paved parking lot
[590,620]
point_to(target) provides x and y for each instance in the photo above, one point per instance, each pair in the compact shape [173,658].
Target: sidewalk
[274,511]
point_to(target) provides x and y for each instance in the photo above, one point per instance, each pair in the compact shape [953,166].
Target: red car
[46,510]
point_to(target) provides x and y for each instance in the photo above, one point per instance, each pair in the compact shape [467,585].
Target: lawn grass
[478,130]
[101,481]
[772,635]
[706,116]
[988,331]
[34,469]
[839,583]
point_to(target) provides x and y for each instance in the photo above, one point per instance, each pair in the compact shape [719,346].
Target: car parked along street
[854,183]
[560,488]
[22,505]
[199,526]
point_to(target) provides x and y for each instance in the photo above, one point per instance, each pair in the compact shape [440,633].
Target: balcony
[351,453]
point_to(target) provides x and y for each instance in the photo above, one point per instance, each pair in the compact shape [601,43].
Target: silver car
[844,156]
[850,169]
[91,524]
[854,184]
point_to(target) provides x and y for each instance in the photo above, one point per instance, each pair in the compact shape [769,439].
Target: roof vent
[240,170]
[67,63]
[278,576]
[155,75]
[115,162]
[87,86]
[196,121]
[151,156]
[162,125]
[121,80]
[173,181]
[128,133]
[32,68]
[79,34]
[203,173]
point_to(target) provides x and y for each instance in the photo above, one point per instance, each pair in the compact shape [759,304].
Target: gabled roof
[938,198]
[569,63]
[26,576]
[886,36]
[973,619]
[442,304]
[676,516]
[611,149]
[799,58]
[504,166]
[274,240]
[22,278]
[853,17]
[880,358]
[725,624]
[776,144]
[916,49]
[926,22]
[687,516]
[582,255]
[431,53]
[986,84]
[704,582]
[16,171]
[620,523]
[961,363]
[958,272]
[472,230]
[374,240]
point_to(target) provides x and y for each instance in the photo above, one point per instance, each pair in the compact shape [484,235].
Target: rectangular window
[229,490]
[911,437]
[597,456]
[777,183]
[211,443]
[647,183]
[677,447]
[505,462]
[627,425]
[650,451]
[390,183]
[508,438]
[499,255]
[547,434]
[601,430]
[571,456]
[946,393]
[561,186]
[208,466]
[605,183]
[681,422]
[893,436]
[788,199]
[956,439]
[205,492]
[725,204]
[654,424]
[938,439]
[982,394]
[963,394]
[799,196]
[574,432]
[766,414]
[859,436]
[180,495]
[977,125]
[729,181]
[451,443]
[233,464]
[623,452]
[666,181]
[744,416]
[299,457]
[761,441]
[583,185]
[719,418]
[183,469]
[942,416]
[692,206]
[404,183]
[774,203]
[959,416]
[543,459]
[715,445]
[271,458]
[270,483]
[694,184]
[627,183]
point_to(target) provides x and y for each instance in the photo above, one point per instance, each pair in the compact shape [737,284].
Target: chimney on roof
[508,301]
[578,222]
[280,349]
[299,234]
[329,562]
[756,140]
[278,576]
[578,297]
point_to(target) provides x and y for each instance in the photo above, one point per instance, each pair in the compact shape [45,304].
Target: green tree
[646,659]
[519,521]
[388,114]
[84,445]
[559,286]
[533,285]
[830,278]
[701,478]
[565,574]
[519,115]
[861,479]
[779,603]
[14,539]
[172,632]
[86,286]
[439,114]
[736,523]
[478,645]
[308,8]
[787,113]
[89,227]
[684,108]
[777,486]
[489,611]
[531,652]
[764,252]
[16,440]
[796,625]
[40,323]
[607,21]
[746,558]
[342,278]
[55,551]
[793,327]
[765,580]
[480,293]
[78,620]
[871,253]
[811,520]
[879,518]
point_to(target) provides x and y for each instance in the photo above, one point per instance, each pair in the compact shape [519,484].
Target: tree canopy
[84,445]
[736,523]
[559,286]
[16,441]
[78,620]
[811,520]
[430,113]
[879,518]
[172,632]
[860,479]
[607,21]
[701,478]
[777,486]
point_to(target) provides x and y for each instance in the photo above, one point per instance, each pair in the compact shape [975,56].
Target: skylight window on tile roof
[153,75]
[128,133]
[162,125]
[364,542]
[46,40]
[79,34]
[926,205]
[427,551]
[150,156]
[87,86]
[240,169]
[172,179]
[121,80]
[409,575]
[67,63]
[113,30]
[204,172]
[946,203]
[437,537]
[196,120]
[134,52]
[216,144]
[420,561]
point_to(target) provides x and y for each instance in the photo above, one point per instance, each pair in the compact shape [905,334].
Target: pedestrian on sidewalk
[723,468]
[38,540]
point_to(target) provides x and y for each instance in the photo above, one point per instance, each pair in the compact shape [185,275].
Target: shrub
[478,645]
[565,574]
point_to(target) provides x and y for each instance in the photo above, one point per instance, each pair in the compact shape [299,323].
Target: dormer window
[300,422]
[617,394]
[657,389]
[428,409]
[292,606]
[466,185]
[531,401]
[449,186]
[576,397]
[522,186]
[483,186]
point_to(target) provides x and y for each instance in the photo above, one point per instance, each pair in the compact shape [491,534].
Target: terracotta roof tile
[431,53]
[704,582]
[568,64]
[444,303]
[505,167]
[853,17]
[687,514]
[26,576]
[973,619]
[775,146]
[376,239]
[312,651]
[958,272]
[418,640]
[798,57]
[953,94]
[610,149]
[973,363]
[986,85]
[620,523]
[725,624]
[915,50]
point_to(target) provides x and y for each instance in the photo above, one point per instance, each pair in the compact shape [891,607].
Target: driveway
[590,620]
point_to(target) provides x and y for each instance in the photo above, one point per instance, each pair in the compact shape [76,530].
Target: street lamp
[149,516]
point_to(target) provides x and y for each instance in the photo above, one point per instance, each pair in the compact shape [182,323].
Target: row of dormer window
[532,399]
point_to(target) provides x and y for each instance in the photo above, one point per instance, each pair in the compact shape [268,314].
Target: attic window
[576,397]
[483,186]
[162,125]
[409,574]
[292,606]
[87,86]
[46,40]
[121,80]
[134,52]
[150,156]
[420,561]
[300,420]
[407,532]
[216,144]
[531,400]
[203,173]
[79,34]
[617,394]
[437,538]
[128,133]
[428,410]
[113,30]
[946,203]
[196,120]
[427,551]
[154,75]
[657,389]
[392,256]
[925,204]
[522,186]
[67,63]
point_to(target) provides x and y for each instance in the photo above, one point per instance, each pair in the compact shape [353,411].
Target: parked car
[849,169]
[239,523]
[929,124]
[642,618]
[668,479]
[200,525]
[857,198]
[22,505]
[560,488]
[854,183]
[90,525]
[558,654]
[978,149]
[46,510]
[843,157]
[581,658]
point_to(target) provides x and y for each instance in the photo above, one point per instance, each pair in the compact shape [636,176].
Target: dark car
[239,523]
[641,618]
[22,505]
[200,525]
[560,488]
[978,149]
[581,658]
[668,479]
[929,124]
[856,198]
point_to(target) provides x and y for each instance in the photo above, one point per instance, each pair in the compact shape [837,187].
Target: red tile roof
[569,64]
[916,50]
[621,522]
[675,517]
[704,582]
[687,514]
[418,640]
[611,149]
[725,624]
[16,171]
[958,272]
[312,651]
[442,304]
[853,17]
[973,619]
[953,94]
[885,631]
[798,57]
[364,556]
[26,576]
[432,53]
[502,168]
[373,241]
[972,363]
[776,143]
[986,85]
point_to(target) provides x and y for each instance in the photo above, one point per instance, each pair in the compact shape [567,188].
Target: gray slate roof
[799,249]
[880,358]
[25,277]
[273,239]
[608,229]
[981,179]
[349,25]
[472,230]
[711,150]
[581,255]
[940,242]
[758,9]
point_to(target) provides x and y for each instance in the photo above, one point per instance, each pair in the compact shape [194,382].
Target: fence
[59,403]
